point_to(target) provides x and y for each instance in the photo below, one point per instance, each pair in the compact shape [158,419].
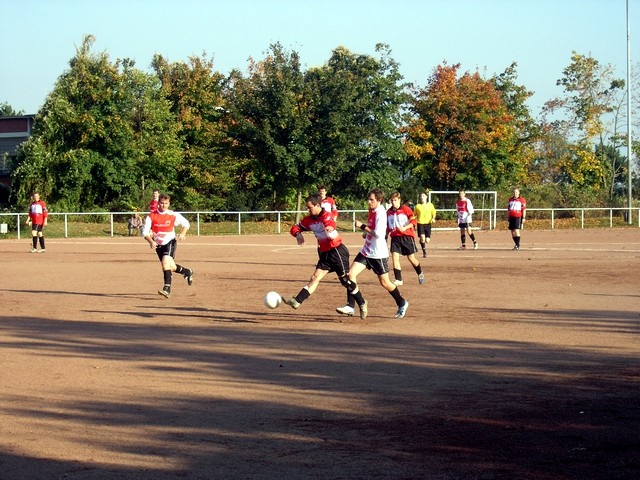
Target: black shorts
[515,223]
[379,266]
[36,227]
[464,226]
[404,245]
[167,249]
[424,229]
[335,260]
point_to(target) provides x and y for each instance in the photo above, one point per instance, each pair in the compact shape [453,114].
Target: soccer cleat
[424,254]
[292,302]
[516,248]
[462,247]
[165,292]
[421,279]
[33,250]
[42,251]
[190,277]
[364,310]
[402,310]
[398,283]
[346,310]
[475,245]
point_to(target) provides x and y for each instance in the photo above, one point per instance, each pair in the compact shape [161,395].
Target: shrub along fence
[97,224]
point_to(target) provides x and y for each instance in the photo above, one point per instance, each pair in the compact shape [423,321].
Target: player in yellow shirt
[425,214]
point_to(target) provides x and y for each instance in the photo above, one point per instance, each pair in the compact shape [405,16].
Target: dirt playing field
[509,365]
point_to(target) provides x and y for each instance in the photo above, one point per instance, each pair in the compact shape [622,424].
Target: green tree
[7,110]
[103,128]
[355,115]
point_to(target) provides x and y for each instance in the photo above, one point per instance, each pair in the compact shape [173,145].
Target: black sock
[35,242]
[167,278]
[302,295]
[517,239]
[397,273]
[359,299]
[42,243]
[395,293]
[472,237]
[463,239]
[424,246]
[418,269]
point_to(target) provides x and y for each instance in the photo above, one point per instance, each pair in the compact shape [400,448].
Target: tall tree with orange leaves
[461,133]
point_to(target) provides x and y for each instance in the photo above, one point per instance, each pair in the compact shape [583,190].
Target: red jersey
[163,224]
[318,225]
[329,204]
[465,210]
[516,207]
[401,217]
[153,206]
[38,212]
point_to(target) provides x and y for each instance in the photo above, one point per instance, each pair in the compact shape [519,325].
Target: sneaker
[462,247]
[398,282]
[42,251]
[475,245]
[292,302]
[421,279]
[190,277]
[364,310]
[33,250]
[402,310]
[346,310]
[165,292]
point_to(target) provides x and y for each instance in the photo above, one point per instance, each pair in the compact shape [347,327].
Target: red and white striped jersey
[401,217]
[38,212]
[465,210]
[375,244]
[318,225]
[329,204]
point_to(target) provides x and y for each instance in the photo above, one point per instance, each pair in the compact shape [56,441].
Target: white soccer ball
[272,300]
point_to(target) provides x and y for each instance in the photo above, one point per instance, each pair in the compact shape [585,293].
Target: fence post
[66,231]
[279,225]
[239,224]
[198,223]
[582,218]
[552,218]
[111,221]
[18,224]
[611,218]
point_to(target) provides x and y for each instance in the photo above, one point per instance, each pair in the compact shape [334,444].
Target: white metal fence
[239,223]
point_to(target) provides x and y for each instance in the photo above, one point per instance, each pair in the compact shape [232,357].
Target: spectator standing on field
[400,226]
[516,213]
[38,220]
[159,232]
[328,203]
[425,214]
[464,207]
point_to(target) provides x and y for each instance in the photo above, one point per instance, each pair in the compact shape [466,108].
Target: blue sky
[39,37]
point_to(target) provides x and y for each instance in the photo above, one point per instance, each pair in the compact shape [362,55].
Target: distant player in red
[401,224]
[159,232]
[334,255]
[153,204]
[464,209]
[328,203]
[38,220]
[516,213]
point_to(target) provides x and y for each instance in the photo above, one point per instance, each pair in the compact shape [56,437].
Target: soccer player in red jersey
[153,204]
[333,254]
[328,203]
[38,219]
[465,212]
[159,232]
[401,224]
[516,213]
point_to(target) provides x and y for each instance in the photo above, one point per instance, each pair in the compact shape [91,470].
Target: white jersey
[375,244]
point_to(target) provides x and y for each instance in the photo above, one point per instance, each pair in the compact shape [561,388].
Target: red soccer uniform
[318,225]
[516,207]
[38,212]
[401,217]
[465,210]
[329,204]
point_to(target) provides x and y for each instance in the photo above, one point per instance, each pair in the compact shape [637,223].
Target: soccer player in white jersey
[374,255]
[159,232]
